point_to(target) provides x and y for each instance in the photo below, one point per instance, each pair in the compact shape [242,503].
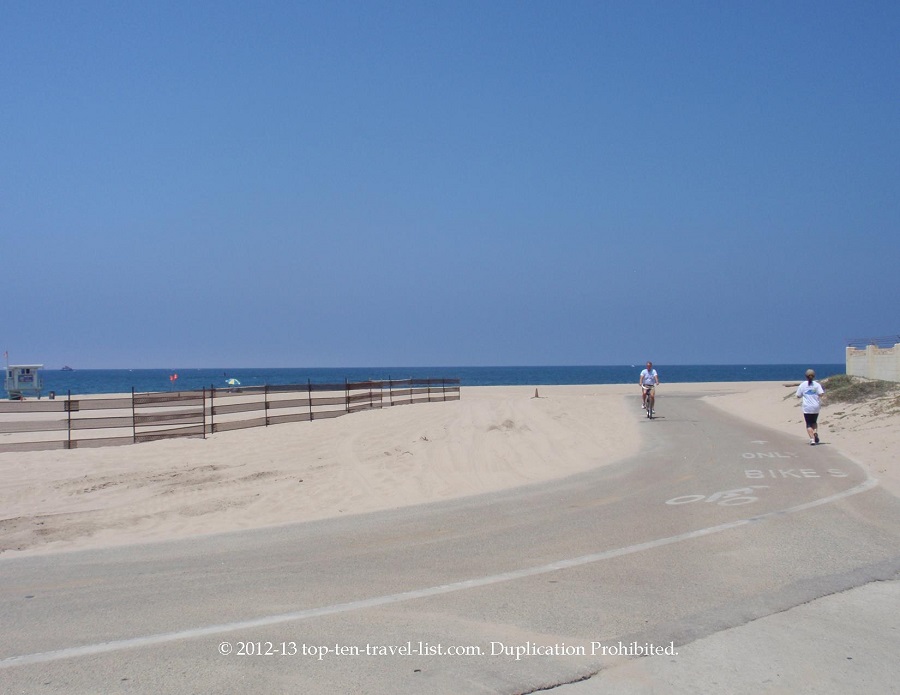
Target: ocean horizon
[101,381]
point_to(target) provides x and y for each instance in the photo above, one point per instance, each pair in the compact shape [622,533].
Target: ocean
[91,381]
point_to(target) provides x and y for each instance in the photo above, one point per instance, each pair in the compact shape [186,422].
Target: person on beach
[811,392]
[648,379]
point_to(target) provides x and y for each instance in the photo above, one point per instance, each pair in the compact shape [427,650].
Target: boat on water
[67,368]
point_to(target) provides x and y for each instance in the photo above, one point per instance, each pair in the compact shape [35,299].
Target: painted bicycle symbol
[726,498]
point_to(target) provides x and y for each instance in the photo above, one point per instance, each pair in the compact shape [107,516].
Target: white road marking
[377,601]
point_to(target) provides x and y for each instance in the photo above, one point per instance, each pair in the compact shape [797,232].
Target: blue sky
[203,184]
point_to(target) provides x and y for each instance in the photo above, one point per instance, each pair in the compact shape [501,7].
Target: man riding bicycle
[649,380]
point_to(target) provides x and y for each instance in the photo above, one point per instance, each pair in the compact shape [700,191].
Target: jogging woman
[811,392]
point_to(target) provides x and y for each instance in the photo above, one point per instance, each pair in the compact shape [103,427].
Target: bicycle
[650,390]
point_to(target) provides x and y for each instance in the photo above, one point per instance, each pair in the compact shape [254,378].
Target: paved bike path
[716,523]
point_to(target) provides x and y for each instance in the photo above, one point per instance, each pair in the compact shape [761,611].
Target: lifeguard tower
[22,380]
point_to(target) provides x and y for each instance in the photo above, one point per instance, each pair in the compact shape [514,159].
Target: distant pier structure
[24,380]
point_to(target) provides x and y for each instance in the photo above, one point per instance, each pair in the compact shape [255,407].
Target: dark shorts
[811,419]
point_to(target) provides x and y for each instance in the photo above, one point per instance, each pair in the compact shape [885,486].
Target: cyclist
[648,380]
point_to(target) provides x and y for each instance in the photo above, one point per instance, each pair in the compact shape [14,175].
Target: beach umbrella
[232,382]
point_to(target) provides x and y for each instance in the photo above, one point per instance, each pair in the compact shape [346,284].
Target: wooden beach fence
[34,425]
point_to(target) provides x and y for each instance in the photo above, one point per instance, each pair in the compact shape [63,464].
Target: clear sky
[326,184]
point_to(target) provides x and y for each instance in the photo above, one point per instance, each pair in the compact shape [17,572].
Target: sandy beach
[492,438]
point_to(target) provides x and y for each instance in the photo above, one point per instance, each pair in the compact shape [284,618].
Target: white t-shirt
[648,378]
[810,394]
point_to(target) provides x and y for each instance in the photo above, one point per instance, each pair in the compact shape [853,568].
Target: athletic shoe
[812,442]
[816,435]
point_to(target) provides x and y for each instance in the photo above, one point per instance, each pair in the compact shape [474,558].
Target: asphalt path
[716,523]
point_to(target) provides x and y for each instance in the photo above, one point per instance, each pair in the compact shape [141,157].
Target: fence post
[69,419]
[347,393]
[444,389]
[133,419]
[390,390]
[212,408]
[266,403]
[309,398]
[203,407]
